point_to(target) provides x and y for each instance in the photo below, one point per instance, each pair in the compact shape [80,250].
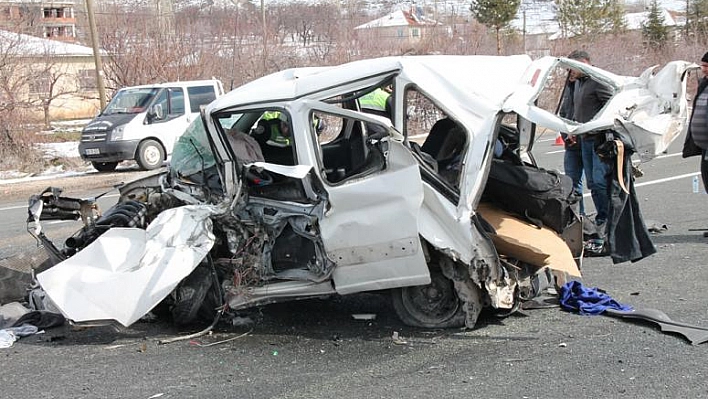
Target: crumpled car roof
[491,78]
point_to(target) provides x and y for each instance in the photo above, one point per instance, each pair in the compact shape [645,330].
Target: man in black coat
[697,137]
[588,99]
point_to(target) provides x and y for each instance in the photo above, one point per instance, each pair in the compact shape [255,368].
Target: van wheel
[435,305]
[150,155]
[104,166]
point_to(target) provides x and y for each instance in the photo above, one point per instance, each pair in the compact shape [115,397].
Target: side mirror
[156,112]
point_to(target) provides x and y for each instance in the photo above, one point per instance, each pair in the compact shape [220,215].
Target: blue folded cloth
[587,301]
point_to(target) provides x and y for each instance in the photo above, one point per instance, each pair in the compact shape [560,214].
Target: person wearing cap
[588,99]
[697,137]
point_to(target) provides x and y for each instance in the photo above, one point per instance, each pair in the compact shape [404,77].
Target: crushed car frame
[287,189]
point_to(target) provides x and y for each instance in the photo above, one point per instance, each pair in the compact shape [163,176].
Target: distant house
[399,28]
[33,66]
[535,34]
[539,28]
[54,19]
[635,20]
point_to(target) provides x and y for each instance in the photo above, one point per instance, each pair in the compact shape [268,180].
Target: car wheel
[150,155]
[104,166]
[435,305]
[190,295]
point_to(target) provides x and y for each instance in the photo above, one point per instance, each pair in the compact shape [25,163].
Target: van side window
[176,102]
[200,95]
[171,101]
[441,140]
[349,147]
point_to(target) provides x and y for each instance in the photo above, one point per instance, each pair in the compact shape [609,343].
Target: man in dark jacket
[589,98]
[697,137]
[572,158]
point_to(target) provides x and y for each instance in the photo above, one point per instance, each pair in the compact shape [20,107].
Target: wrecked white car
[286,189]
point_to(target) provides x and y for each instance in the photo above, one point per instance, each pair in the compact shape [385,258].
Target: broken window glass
[192,153]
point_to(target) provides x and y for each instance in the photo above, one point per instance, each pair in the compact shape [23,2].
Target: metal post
[96,55]
[265,38]
[524,31]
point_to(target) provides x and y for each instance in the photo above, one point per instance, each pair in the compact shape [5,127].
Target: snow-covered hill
[537,15]
[378,7]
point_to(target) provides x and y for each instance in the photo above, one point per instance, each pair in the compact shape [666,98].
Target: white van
[143,123]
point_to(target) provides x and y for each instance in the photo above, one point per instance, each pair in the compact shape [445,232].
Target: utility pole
[165,17]
[524,29]
[96,55]
[685,23]
[265,38]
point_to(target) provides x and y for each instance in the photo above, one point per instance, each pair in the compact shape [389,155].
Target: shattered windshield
[192,153]
[130,101]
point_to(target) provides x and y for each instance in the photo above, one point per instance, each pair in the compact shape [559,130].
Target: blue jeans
[596,174]
[573,166]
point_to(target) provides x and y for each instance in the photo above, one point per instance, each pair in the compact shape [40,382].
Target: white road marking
[668,155]
[664,180]
[659,181]
[25,206]
[646,183]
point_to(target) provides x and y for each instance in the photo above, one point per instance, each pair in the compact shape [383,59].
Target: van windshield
[130,101]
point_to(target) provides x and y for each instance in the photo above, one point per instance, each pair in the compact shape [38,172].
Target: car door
[651,108]
[370,229]
[176,117]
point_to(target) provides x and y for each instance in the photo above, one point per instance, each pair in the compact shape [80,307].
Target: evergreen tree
[697,20]
[495,14]
[654,31]
[590,17]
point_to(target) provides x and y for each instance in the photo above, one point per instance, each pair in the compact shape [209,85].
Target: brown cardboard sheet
[518,239]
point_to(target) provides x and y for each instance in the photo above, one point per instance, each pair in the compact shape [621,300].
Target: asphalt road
[15,196]
[315,349]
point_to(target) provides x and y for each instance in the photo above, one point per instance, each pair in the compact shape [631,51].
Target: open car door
[651,108]
[373,184]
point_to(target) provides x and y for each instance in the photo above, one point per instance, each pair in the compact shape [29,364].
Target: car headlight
[117,133]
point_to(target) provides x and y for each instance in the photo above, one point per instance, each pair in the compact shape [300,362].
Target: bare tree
[15,76]
[52,81]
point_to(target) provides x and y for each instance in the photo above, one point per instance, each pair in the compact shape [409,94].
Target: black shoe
[595,247]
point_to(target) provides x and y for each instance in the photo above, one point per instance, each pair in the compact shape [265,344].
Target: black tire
[150,155]
[210,305]
[435,305]
[190,294]
[104,166]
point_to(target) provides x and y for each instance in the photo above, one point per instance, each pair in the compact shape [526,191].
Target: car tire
[150,155]
[190,295]
[104,166]
[435,305]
